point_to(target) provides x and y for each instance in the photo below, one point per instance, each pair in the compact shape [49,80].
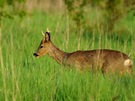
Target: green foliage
[10,8]
[9,2]
[26,78]
[113,11]
[76,11]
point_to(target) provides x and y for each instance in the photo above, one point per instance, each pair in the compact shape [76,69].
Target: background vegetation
[24,77]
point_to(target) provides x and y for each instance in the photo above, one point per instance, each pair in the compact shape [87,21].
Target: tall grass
[24,77]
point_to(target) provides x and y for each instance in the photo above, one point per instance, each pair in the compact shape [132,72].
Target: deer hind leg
[104,68]
[107,67]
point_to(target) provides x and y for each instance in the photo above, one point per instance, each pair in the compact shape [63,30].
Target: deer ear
[47,35]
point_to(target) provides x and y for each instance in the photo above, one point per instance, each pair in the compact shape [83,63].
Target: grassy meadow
[26,78]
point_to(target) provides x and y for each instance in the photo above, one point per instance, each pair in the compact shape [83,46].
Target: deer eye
[41,46]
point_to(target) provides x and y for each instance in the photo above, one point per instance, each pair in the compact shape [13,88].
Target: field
[26,78]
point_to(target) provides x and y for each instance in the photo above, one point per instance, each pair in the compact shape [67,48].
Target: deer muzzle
[35,54]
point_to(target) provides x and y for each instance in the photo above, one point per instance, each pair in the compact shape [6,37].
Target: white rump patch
[128,63]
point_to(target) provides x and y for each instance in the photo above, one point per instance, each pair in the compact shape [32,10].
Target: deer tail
[128,63]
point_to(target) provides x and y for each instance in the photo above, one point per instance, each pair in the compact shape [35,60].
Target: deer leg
[104,68]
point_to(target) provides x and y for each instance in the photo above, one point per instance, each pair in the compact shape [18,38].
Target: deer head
[43,48]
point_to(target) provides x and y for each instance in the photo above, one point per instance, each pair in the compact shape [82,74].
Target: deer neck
[56,53]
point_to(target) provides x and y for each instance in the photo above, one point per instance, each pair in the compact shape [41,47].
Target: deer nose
[35,54]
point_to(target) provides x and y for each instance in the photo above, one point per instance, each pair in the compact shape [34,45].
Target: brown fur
[104,59]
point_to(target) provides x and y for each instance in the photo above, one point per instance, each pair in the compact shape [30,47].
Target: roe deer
[103,59]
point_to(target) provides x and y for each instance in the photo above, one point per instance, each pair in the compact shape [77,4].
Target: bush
[9,8]
[113,11]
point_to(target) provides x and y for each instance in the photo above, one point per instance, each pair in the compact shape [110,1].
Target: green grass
[26,78]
